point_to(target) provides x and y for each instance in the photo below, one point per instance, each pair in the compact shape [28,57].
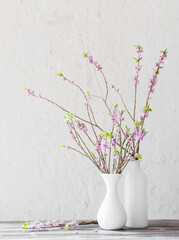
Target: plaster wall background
[38,178]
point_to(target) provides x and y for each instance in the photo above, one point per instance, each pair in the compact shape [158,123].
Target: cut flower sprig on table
[109,150]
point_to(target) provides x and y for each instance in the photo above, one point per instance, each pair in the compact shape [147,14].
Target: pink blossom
[146,113]
[82,126]
[118,140]
[153,80]
[88,100]
[98,148]
[72,82]
[47,223]
[106,145]
[35,226]
[90,59]
[73,224]
[67,147]
[64,79]
[116,157]
[140,50]
[142,135]
[97,160]
[95,230]
[113,142]
[132,159]
[102,168]
[61,222]
[30,92]
[138,67]
[141,118]
[71,133]
[116,117]
[98,67]
[54,223]
[39,95]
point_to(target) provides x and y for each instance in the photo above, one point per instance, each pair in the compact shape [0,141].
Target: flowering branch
[135,78]
[117,90]
[114,149]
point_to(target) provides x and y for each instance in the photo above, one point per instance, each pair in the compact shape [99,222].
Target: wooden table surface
[165,229]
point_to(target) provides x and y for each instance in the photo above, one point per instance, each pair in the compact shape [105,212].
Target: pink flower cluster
[37,226]
[32,93]
[102,168]
[153,80]
[145,114]
[98,145]
[116,116]
[64,78]
[99,163]
[88,99]
[29,91]
[73,135]
[138,67]
[137,135]
[92,61]
[82,126]
[73,224]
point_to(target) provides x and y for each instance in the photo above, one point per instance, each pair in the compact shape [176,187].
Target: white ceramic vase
[111,214]
[135,197]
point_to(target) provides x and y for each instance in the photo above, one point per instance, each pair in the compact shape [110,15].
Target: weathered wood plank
[157,228]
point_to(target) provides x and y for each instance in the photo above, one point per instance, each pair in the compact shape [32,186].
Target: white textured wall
[40,180]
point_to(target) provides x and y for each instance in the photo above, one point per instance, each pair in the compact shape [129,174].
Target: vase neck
[136,164]
[111,181]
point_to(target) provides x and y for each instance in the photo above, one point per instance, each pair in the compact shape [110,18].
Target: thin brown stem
[123,102]
[78,151]
[106,83]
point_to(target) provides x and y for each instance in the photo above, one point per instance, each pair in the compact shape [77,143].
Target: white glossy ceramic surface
[135,197]
[111,214]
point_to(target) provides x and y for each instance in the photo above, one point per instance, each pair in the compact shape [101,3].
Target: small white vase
[135,197]
[111,214]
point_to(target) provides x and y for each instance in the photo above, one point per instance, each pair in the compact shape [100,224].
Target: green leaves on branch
[88,94]
[60,74]
[69,117]
[117,152]
[164,52]
[143,130]
[85,54]
[127,129]
[138,46]
[138,156]
[137,123]
[67,227]
[107,135]
[147,108]
[92,154]
[25,225]
[62,145]
[136,60]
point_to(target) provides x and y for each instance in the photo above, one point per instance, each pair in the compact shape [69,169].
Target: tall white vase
[135,197]
[111,214]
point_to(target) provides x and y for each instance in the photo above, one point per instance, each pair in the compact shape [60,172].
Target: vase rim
[111,173]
